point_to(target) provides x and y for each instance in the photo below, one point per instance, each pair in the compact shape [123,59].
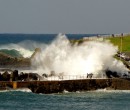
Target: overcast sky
[66,16]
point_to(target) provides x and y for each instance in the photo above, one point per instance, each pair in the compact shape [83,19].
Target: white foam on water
[19,89]
[112,91]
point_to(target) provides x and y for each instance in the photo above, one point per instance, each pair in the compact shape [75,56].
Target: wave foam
[20,89]
[67,59]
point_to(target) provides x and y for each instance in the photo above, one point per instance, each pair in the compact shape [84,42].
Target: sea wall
[80,85]
[47,87]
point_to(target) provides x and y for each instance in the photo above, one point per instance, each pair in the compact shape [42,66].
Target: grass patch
[125,42]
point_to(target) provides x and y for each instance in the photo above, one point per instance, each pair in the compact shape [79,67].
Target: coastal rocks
[7,61]
[37,50]
[14,76]
[5,76]
[28,77]
[9,75]
[111,74]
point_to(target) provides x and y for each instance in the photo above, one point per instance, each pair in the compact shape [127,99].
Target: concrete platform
[48,87]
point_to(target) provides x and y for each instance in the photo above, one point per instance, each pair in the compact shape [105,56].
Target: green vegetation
[125,43]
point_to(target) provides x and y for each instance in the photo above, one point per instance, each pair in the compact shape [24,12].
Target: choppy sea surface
[46,38]
[96,100]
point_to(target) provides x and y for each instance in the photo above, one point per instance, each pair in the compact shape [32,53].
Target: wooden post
[14,85]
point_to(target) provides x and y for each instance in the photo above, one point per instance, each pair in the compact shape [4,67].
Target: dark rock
[14,75]
[6,76]
[111,74]
[45,75]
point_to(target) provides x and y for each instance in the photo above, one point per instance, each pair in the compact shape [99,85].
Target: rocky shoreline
[7,61]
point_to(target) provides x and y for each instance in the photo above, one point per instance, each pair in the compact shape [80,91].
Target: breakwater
[48,87]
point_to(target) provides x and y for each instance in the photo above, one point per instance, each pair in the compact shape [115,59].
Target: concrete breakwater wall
[47,87]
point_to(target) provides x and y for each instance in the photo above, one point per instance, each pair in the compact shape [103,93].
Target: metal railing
[71,77]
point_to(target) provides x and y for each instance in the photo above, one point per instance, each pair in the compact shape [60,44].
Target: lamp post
[121,43]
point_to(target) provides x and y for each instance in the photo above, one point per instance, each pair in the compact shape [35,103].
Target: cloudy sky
[66,16]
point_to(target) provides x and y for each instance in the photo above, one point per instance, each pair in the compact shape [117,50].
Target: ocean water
[46,38]
[17,45]
[97,100]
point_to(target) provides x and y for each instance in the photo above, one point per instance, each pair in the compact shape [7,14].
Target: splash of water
[66,59]
[21,47]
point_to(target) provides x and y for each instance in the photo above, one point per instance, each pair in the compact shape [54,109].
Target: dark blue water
[9,40]
[46,38]
[66,101]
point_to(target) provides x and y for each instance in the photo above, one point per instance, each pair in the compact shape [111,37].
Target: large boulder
[14,75]
[111,74]
[6,76]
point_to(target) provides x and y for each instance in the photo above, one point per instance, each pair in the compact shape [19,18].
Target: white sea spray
[67,59]
[70,60]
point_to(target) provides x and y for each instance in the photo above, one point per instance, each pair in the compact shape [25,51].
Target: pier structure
[58,86]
